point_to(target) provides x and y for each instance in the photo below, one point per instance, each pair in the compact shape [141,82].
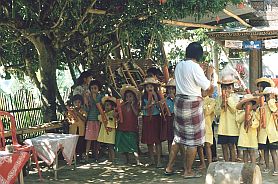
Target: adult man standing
[189,124]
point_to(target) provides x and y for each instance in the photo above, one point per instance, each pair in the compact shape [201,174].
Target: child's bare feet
[202,167]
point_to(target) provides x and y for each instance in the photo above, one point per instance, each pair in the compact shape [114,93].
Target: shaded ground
[105,172]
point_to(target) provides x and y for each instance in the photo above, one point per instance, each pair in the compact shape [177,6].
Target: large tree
[45,35]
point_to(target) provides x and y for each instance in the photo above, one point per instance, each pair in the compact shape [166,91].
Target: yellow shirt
[227,122]
[111,125]
[209,105]
[270,131]
[76,123]
[247,139]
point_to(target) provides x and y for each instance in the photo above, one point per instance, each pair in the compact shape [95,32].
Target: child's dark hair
[77,97]
[195,51]
[227,85]
[82,76]
[95,82]
[263,84]
[167,89]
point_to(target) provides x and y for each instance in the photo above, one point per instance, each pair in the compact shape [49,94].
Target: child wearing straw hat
[107,131]
[228,130]
[261,84]
[268,133]
[247,120]
[170,92]
[127,131]
[151,119]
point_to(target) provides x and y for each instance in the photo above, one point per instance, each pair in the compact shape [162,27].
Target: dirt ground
[105,172]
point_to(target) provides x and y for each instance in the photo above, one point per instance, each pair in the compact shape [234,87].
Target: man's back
[190,78]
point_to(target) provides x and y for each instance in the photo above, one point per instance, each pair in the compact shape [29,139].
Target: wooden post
[233,173]
[255,67]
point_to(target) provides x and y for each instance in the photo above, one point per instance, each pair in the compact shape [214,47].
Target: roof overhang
[258,33]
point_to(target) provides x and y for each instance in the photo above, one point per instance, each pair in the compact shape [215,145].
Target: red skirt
[151,129]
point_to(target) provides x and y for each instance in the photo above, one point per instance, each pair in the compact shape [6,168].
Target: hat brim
[133,90]
[243,101]
[227,82]
[154,83]
[267,80]
[169,85]
[108,98]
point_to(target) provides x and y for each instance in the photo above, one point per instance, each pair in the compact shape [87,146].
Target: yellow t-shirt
[270,131]
[227,122]
[248,139]
[209,106]
[104,135]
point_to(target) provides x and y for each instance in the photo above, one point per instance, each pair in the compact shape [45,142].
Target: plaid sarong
[189,121]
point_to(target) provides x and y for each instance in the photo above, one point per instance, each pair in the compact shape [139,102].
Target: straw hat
[267,80]
[133,89]
[108,98]
[171,83]
[247,98]
[150,80]
[227,79]
[269,90]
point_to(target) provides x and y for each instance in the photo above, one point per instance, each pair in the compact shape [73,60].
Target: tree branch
[59,21]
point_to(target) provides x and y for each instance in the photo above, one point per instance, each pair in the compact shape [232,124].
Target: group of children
[99,118]
[248,124]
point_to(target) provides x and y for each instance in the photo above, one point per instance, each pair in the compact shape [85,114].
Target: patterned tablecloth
[11,165]
[48,145]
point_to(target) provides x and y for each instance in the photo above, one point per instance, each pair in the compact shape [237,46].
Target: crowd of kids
[248,125]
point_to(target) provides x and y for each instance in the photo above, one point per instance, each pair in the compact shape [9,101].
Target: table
[48,145]
[11,165]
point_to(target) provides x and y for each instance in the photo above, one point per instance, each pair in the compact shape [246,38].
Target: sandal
[166,173]
[275,173]
[265,171]
[195,175]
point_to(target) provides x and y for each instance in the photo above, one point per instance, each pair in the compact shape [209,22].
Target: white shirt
[190,78]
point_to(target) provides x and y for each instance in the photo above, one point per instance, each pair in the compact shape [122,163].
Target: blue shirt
[155,108]
[170,104]
[92,110]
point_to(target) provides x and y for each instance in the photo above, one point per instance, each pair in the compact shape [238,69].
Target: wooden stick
[103,117]
[189,24]
[224,99]
[247,121]
[237,18]
[262,113]
[112,76]
[129,75]
[119,110]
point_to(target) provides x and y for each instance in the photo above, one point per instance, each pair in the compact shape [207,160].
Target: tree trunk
[233,173]
[47,68]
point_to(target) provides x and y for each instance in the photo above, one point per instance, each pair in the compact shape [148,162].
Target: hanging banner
[249,45]
[269,44]
[233,44]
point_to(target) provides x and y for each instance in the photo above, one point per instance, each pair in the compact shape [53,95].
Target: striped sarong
[189,121]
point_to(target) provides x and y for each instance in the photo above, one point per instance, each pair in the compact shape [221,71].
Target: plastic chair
[16,145]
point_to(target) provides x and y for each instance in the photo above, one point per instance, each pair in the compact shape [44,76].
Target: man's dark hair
[195,51]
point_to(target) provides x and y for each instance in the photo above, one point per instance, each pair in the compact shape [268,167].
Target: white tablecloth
[48,145]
